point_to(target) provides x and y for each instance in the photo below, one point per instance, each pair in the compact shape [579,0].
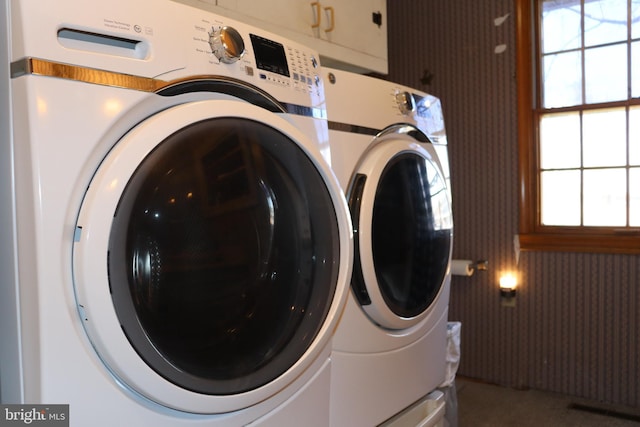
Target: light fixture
[508,284]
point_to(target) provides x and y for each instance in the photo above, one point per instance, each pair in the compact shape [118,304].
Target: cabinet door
[351,24]
[294,15]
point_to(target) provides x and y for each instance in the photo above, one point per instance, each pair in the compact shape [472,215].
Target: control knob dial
[406,103]
[226,44]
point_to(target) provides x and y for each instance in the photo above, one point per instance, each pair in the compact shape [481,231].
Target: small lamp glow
[508,284]
[508,281]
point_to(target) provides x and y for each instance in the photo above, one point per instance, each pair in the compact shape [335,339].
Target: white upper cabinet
[348,34]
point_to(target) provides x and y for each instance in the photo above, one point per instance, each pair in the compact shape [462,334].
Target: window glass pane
[606,73]
[605,21]
[560,26]
[634,136]
[605,197]
[562,80]
[604,138]
[635,69]
[634,197]
[635,19]
[589,160]
[560,199]
[560,141]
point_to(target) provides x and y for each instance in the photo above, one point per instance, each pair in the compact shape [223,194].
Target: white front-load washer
[388,149]
[175,248]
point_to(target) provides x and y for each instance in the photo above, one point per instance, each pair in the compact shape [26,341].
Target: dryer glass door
[404,232]
[410,234]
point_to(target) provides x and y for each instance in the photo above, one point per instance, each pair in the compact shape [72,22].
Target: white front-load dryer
[388,149]
[175,247]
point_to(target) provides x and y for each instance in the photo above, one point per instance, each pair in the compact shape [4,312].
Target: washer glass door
[400,208]
[222,254]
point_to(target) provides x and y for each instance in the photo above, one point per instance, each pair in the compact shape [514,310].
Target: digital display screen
[270,55]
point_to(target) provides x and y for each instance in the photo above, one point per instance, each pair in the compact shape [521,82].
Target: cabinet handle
[331,17]
[316,5]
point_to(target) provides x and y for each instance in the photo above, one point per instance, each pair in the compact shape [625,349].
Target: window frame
[533,235]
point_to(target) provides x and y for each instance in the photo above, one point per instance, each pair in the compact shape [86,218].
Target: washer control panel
[275,64]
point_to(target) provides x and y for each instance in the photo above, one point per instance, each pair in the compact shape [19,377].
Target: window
[579,124]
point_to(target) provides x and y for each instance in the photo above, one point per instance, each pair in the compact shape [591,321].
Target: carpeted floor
[480,404]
